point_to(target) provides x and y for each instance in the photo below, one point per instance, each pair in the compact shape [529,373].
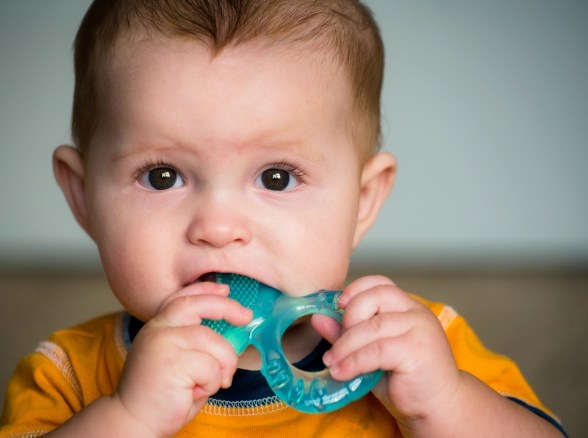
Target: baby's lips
[205,287]
[197,288]
[208,277]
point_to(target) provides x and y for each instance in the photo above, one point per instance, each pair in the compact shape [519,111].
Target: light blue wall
[485,106]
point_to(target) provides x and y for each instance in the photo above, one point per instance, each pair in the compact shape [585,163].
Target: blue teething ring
[273,313]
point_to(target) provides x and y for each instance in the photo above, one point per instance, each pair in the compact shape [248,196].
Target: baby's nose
[218,224]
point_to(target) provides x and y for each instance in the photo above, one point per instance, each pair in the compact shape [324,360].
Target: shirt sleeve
[42,394]
[499,372]
[64,374]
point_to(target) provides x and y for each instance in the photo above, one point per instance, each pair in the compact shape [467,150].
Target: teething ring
[273,314]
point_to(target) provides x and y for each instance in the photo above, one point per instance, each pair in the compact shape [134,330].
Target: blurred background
[485,106]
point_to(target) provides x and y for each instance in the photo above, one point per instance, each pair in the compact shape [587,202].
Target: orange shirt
[78,365]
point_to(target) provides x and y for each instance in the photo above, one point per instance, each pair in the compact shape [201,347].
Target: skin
[220,123]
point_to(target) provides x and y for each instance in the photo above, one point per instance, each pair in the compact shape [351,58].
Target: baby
[241,136]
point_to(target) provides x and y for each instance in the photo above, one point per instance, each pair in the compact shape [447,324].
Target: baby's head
[225,136]
[342,31]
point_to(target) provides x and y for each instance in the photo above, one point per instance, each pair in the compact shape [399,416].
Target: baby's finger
[379,299]
[192,309]
[326,326]
[201,288]
[369,331]
[203,339]
[384,354]
[205,376]
[361,285]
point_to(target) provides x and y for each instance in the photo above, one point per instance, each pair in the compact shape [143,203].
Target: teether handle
[311,392]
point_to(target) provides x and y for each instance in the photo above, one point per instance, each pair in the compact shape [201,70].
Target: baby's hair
[343,29]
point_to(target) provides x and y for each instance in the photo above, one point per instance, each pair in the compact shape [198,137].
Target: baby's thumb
[327,327]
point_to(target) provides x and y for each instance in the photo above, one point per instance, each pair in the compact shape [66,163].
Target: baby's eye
[276,179]
[161,178]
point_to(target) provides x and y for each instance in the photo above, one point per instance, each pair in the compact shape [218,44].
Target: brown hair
[346,28]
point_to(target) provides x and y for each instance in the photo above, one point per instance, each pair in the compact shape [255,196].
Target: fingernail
[328,358]
[334,370]
[343,300]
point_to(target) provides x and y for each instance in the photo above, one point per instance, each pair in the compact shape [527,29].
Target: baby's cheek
[133,283]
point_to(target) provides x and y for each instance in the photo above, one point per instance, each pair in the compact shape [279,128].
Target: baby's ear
[68,168]
[377,179]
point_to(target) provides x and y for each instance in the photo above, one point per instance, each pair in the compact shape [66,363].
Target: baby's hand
[385,328]
[175,364]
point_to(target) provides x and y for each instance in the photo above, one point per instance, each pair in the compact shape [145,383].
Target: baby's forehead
[132,58]
[130,55]
[253,82]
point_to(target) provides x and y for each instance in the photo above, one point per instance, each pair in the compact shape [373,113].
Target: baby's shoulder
[90,331]
[99,337]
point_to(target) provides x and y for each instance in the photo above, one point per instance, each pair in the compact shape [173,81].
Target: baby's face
[240,163]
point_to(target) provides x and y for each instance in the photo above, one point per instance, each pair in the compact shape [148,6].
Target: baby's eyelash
[292,167]
[149,165]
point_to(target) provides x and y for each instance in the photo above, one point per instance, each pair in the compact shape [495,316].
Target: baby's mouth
[209,276]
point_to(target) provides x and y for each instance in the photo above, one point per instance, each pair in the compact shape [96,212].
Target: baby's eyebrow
[144,148]
[300,148]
